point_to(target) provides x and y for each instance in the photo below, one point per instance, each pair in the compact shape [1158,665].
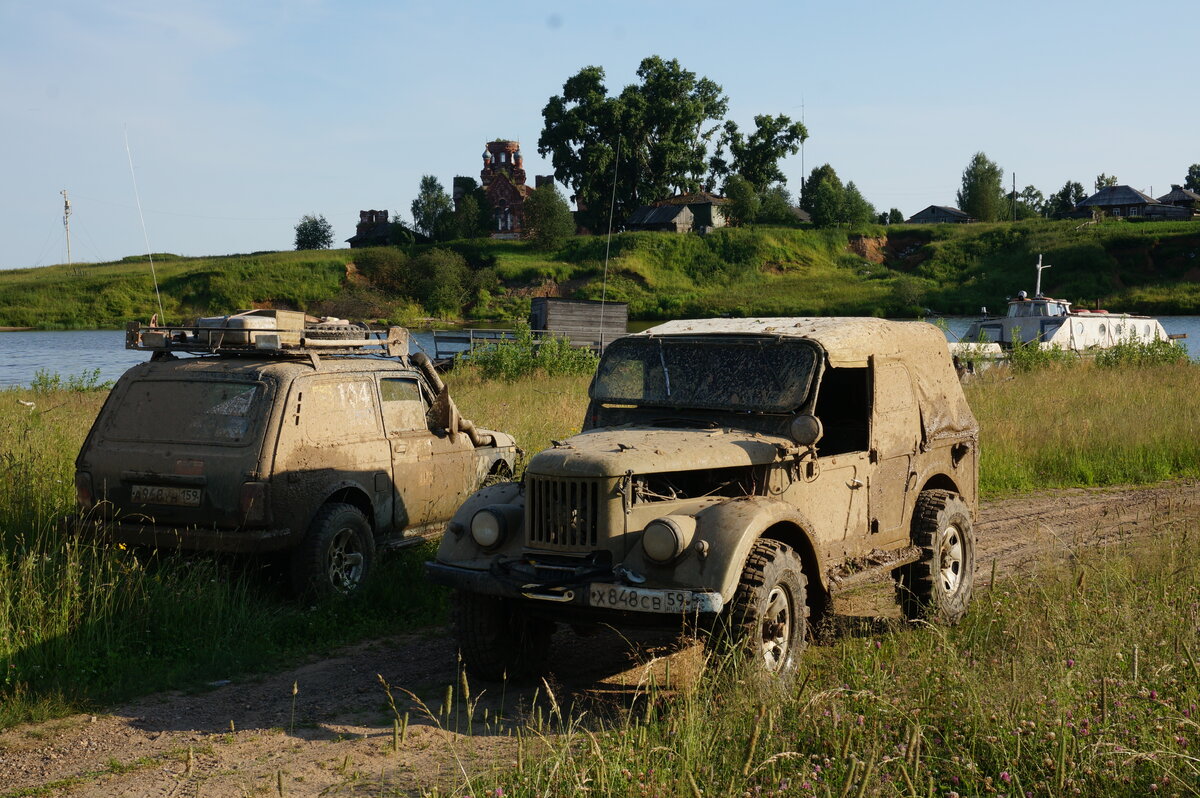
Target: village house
[1125,202]
[937,214]
[699,211]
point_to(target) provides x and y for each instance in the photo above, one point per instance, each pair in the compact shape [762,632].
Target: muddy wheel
[497,638]
[769,612]
[939,585]
[336,555]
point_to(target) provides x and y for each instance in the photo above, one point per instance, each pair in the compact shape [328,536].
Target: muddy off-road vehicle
[322,442]
[738,473]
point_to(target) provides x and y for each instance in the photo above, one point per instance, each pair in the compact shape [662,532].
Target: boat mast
[1038,289]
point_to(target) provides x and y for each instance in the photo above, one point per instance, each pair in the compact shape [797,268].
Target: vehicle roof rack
[299,341]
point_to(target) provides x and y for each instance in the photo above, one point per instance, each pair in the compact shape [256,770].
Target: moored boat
[1054,323]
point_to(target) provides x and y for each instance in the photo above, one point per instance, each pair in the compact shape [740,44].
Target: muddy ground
[335,735]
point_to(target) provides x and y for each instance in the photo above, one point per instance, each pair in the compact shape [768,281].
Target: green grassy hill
[892,271]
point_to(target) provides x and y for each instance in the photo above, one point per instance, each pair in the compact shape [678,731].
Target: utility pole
[1014,197]
[67,222]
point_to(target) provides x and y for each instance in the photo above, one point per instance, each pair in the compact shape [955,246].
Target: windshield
[766,375]
[187,412]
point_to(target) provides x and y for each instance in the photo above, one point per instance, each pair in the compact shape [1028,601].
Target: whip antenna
[612,204]
[145,237]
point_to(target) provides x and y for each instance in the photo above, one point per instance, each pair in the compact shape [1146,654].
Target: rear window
[187,412]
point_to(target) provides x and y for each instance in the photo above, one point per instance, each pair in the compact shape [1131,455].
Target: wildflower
[1070,663]
[1005,776]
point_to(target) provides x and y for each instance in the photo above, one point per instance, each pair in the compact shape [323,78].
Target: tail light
[254,502]
[85,498]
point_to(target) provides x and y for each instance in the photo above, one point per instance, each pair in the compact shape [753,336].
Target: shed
[584,322]
[937,214]
[1181,197]
[664,218]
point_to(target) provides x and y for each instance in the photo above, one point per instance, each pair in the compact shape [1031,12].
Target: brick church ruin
[503,182]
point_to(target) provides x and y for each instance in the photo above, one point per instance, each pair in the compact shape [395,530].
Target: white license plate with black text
[164,494]
[636,599]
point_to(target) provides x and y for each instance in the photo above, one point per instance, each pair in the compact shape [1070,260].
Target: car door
[895,435]
[432,470]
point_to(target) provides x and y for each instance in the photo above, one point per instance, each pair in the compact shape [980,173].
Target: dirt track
[242,738]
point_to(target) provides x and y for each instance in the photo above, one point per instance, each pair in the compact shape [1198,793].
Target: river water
[75,352]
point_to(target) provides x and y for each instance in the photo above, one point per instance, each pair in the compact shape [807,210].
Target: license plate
[163,494]
[636,599]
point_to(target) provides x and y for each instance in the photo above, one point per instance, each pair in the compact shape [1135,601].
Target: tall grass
[1087,426]
[81,625]
[1076,680]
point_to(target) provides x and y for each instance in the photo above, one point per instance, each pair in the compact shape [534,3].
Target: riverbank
[896,271]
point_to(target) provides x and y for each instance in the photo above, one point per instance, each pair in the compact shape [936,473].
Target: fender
[457,546]
[728,531]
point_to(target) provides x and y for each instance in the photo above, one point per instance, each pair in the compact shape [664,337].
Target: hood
[612,452]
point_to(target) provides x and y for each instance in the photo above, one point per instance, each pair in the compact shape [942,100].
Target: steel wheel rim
[777,629]
[345,560]
[951,559]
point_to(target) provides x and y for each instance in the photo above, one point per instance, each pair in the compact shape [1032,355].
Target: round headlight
[665,538]
[487,528]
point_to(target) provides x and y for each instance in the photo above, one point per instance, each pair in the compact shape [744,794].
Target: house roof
[1117,195]
[1179,194]
[694,198]
[946,209]
[657,214]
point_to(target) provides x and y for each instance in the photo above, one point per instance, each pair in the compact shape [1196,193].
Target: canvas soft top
[851,342]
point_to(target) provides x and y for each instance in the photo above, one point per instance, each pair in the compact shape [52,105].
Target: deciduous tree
[743,204]
[815,178]
[756,157]
[433,209]
[548,218]
[895,217]
[313,232]
[855,208]
[982,193]
[661,125]
[1104,181]
[1063,201]
[776,206]
[1192,182]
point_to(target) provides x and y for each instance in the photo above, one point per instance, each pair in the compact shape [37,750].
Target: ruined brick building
[503,181]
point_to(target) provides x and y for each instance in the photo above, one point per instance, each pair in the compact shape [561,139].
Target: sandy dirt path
[335,735]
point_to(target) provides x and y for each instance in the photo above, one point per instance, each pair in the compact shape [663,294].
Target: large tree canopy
[982,195]
[313,232]
[433,209]
[757,157]
[663,126]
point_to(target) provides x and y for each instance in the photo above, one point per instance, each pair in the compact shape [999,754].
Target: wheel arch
[355,497]
[940,482]
[791,533]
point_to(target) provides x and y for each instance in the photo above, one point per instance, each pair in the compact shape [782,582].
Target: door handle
[400,448]
[855,484]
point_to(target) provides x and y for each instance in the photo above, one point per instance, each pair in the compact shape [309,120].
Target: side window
[403,407]
[843,405]
[339,410]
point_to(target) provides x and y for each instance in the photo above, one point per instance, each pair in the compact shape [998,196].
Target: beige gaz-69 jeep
[733,472]
[320,442]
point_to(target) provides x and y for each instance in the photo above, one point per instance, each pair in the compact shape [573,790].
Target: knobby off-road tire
[336,556]
[768,617]
[939,585]
[336,332]
[497,638]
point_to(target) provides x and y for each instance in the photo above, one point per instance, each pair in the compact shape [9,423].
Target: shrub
[1159,352]
[524,355]
[88,380]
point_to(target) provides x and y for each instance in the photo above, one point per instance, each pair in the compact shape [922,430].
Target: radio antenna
[145,237]
[612,204]
[67,225]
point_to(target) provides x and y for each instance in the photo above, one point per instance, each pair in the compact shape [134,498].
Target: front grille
[562,513]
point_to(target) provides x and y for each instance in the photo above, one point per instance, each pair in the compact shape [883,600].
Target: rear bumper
[233,541]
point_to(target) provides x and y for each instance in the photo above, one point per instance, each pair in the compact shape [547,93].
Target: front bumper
[182,538]
[586,586]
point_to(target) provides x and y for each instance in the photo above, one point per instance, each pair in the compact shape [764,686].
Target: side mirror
[806,429]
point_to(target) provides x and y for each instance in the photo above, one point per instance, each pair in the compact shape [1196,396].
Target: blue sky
[243,116]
